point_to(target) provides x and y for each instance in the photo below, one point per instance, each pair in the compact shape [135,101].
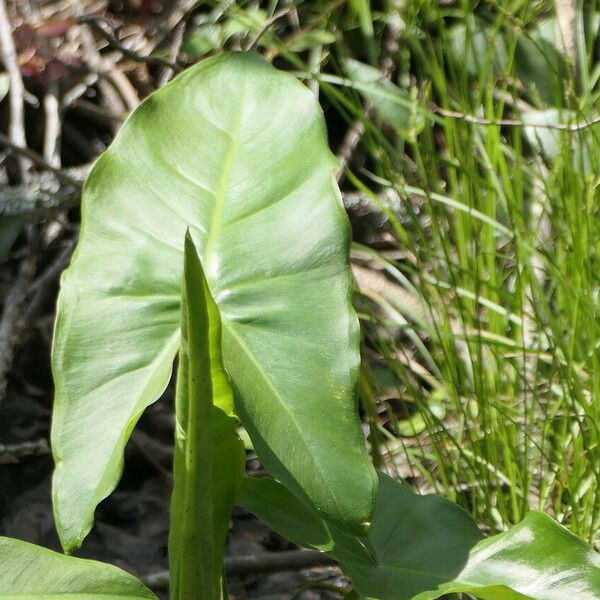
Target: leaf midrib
[216,216]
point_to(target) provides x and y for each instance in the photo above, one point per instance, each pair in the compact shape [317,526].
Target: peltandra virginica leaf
[422,547]
[237,151]
[28,572]
[209,457]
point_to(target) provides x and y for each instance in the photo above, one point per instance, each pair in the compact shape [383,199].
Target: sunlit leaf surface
[236,151]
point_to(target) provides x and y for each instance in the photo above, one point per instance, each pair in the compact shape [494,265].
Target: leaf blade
[35,573]
[283,290]
[425,547]
[274,504]
[437,550]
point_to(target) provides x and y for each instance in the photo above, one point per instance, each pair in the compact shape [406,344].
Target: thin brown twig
[174,49]
[266,26]
[122,84]
[97,113]
[178,12]
[468,118]
[293,18]
[351,140]
[38,160]
[254,564]
[95,62]
[96,22]
[11,322]
[40,289]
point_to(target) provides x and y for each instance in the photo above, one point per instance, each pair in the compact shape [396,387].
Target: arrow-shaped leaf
[236,151]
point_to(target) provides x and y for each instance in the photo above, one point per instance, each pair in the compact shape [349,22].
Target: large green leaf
[209,457]
[423,547]
[537,559]
[28,572]
[237,152]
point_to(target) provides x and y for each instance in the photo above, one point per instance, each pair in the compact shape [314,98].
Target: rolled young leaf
[236,151]
[29,572]
[422,547]
[209,457]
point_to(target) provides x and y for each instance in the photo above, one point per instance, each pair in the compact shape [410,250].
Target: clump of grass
[480,300]
[493,377]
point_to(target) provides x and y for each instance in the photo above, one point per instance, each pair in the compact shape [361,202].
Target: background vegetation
[468,139]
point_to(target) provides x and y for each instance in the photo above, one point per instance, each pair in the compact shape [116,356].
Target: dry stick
[114,83]
[95,61]
[293,18]
[16,127]
[77,38]
[568,127]
[266,26]
[96,113]
[173,26]
[52,127]
[125,88]
[40,290]
[507,99]
[38,161]
[351,139]
[113,41]
[11,323]
[174,49]
[177,13]
[254,564]
[54,269]
[11,453]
